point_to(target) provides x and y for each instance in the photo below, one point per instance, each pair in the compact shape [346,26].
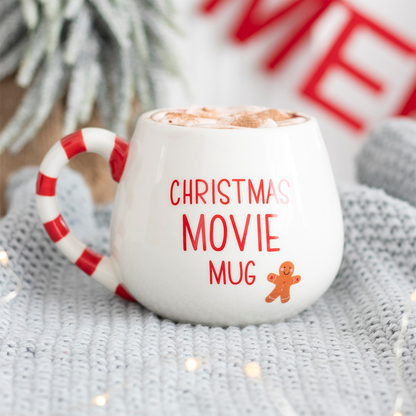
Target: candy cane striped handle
[114,150]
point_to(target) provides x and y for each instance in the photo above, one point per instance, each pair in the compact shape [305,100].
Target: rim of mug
[147,116]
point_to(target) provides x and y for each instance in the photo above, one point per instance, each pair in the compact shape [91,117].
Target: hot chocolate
[252,117]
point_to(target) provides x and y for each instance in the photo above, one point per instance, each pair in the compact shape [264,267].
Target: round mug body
[226,226]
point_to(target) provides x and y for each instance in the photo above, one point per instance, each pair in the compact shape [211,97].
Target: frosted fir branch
[160,50]
[25,111]
[52,8]
[10,61]
[51,89]
[10,29]
[104,101]
[142,82]
[166,6]
[111,18]
[77,88]
[30,11]
[124,68]
[72,8]
[170,9]
[140,42]
[114,70]
[140,57]
[126,88]
[33,55]
[162,14]
[123,12]
[161,53]
[94,77]
[77,85]
[6,6]
[150,75]
[54,33]
[78,35]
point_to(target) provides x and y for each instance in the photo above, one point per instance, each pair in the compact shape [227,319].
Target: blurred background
[67,64]
[349,63]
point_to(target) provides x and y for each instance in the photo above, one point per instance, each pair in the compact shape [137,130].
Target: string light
[399,353]
[192,364]
[4,261]
[4,258]
[252,370]
[100,400]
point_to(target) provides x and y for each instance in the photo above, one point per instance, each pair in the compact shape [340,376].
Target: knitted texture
[65,339]
[388,159]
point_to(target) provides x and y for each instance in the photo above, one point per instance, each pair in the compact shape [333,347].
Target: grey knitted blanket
[65,339]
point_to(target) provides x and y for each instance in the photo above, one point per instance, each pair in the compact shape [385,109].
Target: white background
[222,72]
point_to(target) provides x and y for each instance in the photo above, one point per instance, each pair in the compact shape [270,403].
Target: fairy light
[100,400]
[4,261]
[399,353]
[4,258]
[192,364]
[252,370]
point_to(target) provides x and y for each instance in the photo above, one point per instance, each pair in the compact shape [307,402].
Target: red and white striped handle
[115,151]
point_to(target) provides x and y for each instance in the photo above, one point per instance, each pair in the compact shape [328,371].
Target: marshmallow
[275,115]
[184,119]
[254,121]
[206,112]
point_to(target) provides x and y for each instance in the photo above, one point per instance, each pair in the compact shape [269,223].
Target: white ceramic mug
[211,226]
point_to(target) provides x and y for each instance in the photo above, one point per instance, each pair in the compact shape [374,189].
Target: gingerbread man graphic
[282,282]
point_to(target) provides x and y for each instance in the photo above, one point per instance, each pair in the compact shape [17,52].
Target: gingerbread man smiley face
[282,281]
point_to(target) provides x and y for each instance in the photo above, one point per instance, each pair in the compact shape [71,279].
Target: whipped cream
[228,117]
